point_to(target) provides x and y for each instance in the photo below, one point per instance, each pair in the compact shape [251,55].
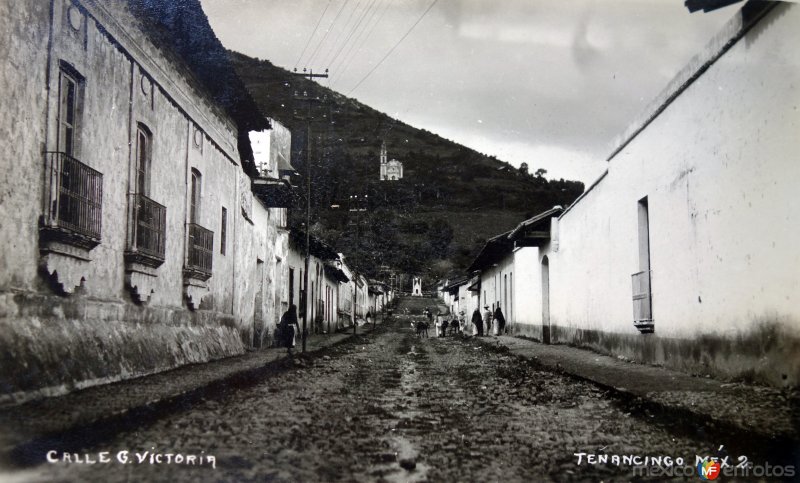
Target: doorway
[545,300]
[258,306]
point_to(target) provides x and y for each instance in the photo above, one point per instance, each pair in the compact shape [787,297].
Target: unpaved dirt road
[389,406]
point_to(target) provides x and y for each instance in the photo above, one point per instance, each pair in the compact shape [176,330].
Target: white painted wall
[719,167]
[527,287]
[497,287]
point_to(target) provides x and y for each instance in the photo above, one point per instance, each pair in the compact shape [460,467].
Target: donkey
[422,329]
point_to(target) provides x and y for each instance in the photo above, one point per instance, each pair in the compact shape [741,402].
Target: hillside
[451,198]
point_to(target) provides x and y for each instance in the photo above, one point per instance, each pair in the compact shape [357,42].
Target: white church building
[391,170]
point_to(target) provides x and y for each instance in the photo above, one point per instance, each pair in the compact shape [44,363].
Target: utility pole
[357,208]
[308,99]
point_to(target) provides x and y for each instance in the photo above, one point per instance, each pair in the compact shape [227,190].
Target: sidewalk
[29,430]
[762,412]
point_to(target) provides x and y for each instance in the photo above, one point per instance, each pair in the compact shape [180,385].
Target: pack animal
[422,329]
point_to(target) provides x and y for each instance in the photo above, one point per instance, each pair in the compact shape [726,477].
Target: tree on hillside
[540,172]
[440,234]
[523,168]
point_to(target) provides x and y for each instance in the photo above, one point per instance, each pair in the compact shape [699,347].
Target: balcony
[148,232]
[642,302]
[74,214]
[200,252]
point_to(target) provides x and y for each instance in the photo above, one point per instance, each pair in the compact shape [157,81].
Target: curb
[744,440]
[32,452]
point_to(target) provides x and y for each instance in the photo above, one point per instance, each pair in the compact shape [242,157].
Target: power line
[328,31]
[352,31]
[312,34]
[357,39]
[363,39]
[394,47]
[338,37]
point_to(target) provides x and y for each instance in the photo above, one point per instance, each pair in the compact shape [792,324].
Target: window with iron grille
[73,213]
[147,239]
[200,242]
[200,253]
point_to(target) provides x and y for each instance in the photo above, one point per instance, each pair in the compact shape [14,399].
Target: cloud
[550,79]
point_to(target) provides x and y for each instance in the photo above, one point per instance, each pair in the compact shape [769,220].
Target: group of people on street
[442,323]
[492,322]
[488,323]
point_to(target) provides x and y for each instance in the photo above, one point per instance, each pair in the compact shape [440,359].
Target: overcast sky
[547,82]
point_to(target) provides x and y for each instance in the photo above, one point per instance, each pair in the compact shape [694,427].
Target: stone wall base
[51,345]
[767,354]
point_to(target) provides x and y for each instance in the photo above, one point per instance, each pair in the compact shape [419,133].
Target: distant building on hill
[391,170]
[416,286]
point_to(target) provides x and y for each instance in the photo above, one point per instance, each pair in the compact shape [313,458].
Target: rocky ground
[391,407]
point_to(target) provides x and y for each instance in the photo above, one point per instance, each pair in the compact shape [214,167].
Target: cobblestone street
[391,407]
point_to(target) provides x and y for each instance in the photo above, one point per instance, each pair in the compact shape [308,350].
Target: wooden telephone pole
[309,100]
[357,205]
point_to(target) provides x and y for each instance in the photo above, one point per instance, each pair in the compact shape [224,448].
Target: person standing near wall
[500,321]
[487,319]
[477,322]
[289,328]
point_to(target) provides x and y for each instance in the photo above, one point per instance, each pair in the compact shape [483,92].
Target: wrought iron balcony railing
[76,200]
[201,250]
[149,231]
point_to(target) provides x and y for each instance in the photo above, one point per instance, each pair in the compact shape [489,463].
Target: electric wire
[363,39]
[312,34]
[352,31]
[329,30]
[393,47]
[341,33]
[357,40]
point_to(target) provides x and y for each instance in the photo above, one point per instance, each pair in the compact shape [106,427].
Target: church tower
[383,160]
[391,169]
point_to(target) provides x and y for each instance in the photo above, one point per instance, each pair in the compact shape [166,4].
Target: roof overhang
[535,231]
[285,168]
[452,287]
[336,273]
[274,193]
[317,247]
[707,5]
[495,250]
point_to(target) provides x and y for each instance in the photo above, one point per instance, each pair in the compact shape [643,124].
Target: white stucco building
[684,252]
[137,233]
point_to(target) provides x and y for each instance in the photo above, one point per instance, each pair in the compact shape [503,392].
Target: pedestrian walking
[288,328]
[487,319]
[444,327]
[500,321]
[477,322]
